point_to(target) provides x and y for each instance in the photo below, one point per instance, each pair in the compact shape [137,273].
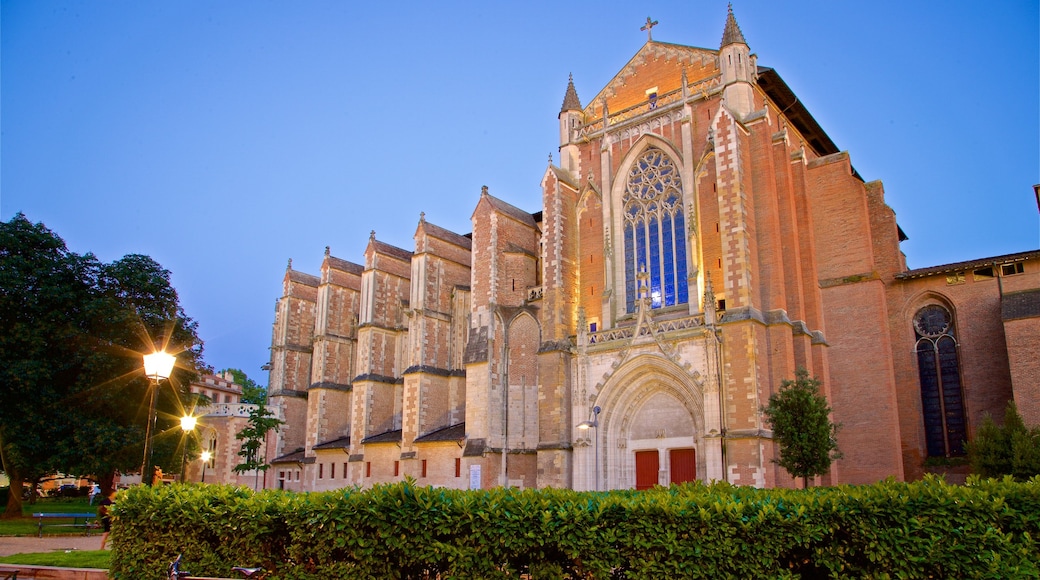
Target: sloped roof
[386,437]
[508,209]
[345,266]
[389,250]
[449,433]
[303,278]
[339,443]
[294,457]
[969,265]
[447,235]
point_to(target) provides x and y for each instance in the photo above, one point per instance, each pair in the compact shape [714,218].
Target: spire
[732,34]
[570,98]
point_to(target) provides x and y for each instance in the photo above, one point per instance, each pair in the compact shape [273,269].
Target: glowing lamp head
[206,456]
[159,365]
[188,423]
[585,425]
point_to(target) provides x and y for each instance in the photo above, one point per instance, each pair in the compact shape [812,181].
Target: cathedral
[699,239]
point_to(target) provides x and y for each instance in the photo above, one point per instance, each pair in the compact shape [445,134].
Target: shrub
[986,528]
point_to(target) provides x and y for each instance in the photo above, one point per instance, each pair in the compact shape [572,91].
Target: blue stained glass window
[942,401]
[654,227]
[630,273]
[682,294]
[669,273]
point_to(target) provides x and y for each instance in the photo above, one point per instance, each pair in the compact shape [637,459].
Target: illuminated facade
[700,238]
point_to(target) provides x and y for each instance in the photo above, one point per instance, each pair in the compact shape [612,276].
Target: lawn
[27,526]
[74,559]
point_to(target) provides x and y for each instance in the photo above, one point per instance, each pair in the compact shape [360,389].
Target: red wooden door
[683,465]
[647,464]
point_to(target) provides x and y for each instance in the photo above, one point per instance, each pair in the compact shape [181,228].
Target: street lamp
[594,424]
[157,366]
[205,457]
[187,426]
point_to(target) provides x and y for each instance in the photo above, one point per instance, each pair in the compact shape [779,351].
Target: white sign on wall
[474,476]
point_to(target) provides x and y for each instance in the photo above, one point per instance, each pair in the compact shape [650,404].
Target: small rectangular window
[983,273]
[332,471]
[368,469]
[344,470]
[956,278]
[592,327]
[458,467]
[423,468]
[1012,269]
[397,468]
[321,470]
[722,304]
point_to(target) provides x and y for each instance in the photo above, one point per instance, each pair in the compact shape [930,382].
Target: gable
[657,64]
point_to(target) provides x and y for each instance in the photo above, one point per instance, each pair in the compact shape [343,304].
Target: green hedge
[925,529]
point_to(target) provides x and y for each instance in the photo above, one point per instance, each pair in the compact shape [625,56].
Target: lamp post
[157,366]
[205,457]
[187,425]
[594,424]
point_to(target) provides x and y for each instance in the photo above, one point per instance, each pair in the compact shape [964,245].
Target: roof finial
[422,217]
[289,265]
[649,24]
[483,190]
[372,235]
[550,158]
[326,251]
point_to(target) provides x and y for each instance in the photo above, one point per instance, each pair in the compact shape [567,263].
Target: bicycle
[174,572]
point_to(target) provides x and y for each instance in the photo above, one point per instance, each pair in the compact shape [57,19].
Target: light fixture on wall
[593,423]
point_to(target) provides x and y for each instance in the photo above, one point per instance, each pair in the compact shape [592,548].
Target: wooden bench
[89,522]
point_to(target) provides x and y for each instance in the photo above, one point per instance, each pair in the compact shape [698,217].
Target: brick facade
[700,240]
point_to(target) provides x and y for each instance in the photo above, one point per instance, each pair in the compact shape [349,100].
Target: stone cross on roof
[649,24]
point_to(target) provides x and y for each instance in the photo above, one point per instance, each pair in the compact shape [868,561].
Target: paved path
[30,544]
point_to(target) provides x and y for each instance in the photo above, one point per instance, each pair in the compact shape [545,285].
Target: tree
[72,332]
[252,392]
[261,421]
[800,419]
[1011,449]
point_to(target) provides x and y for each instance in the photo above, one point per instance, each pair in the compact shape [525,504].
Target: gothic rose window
[655,230]
[942,401]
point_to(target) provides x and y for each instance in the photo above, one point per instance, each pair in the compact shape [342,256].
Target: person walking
[105,513]
[95,489]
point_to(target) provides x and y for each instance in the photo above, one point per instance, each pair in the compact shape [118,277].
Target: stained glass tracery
[655,230]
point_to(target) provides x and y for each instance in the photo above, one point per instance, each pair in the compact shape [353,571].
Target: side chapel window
[655,230]
[941,398]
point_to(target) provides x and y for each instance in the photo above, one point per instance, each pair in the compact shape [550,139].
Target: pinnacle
[732,33]
[570,98]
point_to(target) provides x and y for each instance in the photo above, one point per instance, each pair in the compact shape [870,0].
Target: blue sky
[224,138]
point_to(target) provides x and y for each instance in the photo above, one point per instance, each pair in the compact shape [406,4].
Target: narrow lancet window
[942,401]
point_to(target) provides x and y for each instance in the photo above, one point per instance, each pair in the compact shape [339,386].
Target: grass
[27,526]
[74,559]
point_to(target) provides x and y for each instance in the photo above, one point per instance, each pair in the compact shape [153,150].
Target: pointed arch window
[942,400]
[655,230]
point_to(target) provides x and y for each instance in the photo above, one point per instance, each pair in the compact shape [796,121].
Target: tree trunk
[106,481]
[805,482]
[14,491]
